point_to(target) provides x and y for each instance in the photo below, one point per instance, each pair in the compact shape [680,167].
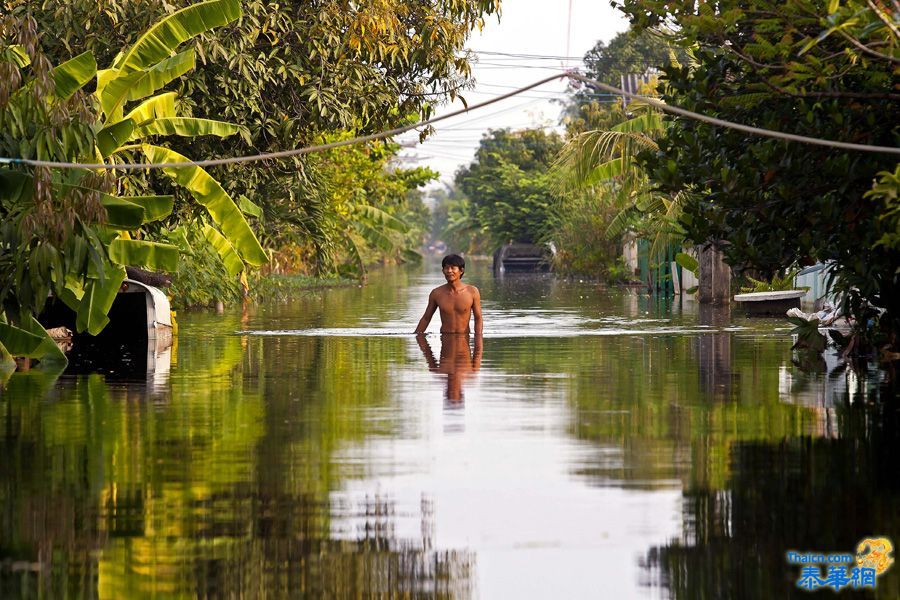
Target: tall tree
[293,72]
[508,184]
[632,52]
[824,70]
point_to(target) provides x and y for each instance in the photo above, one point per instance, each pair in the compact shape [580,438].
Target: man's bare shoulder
[473,290]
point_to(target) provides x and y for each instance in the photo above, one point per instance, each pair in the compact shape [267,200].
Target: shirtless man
[455,299]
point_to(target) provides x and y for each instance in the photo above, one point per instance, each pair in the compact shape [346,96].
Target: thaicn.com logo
[844,569]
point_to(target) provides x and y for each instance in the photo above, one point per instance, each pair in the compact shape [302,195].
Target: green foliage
[601,164]
[778,283]
[886,195]
[577,227]
[295,73]
[687,262]
[60,227]
[451,225]
[791,67]
[203,276]
[808,335]
[508,186]
[631,52]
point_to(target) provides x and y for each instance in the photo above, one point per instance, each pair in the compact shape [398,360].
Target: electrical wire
[398,130]
[676,110]
[281,154]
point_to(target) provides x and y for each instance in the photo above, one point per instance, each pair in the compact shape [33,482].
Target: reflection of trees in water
[223,489]
[655,400]
[802,494]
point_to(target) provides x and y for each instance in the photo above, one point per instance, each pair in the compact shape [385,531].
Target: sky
[539,28]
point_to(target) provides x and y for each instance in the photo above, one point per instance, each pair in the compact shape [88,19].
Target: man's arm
[429,312]
[476,311]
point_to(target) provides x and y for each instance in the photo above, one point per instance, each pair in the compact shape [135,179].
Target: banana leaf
[605,171]
[112,136]
[189,127]
[158,107]
[651,122]
[178,237]
[17,55]
[208,192]
[120,86]
[71,75]
[19,342]
[374,217]
[411,256]
[7,366]
[375,237]
[71,292]
[15,186]
[122,213]
[48,352]
[149,255]
[233,262]
[162,39]
[97,300]
[687,262]
[248,207]
[155,207]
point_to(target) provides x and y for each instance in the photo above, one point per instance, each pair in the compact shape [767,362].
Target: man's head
[453,260]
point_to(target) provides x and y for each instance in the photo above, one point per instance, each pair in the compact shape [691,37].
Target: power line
[282,154]
[398,130]
[522,55]
[730,124]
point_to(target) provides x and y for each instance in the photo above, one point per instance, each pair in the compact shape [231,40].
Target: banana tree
[63,230]
[603,161]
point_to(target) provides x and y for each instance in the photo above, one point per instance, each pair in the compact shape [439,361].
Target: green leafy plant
[63,230]
[778,283]
[822,70]
[808,335]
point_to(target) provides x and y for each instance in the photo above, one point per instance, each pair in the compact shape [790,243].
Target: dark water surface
[602,444]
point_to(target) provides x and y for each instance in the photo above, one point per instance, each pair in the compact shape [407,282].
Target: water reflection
[649,450]
[714,351]
[458,361]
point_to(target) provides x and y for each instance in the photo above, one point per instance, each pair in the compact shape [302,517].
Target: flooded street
[603,443]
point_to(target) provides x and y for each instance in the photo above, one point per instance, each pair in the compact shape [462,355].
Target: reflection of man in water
[455,299]
[457,361]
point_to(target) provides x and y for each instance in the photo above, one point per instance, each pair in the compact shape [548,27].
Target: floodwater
[601,443]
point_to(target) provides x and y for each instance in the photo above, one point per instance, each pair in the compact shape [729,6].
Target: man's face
[452,273]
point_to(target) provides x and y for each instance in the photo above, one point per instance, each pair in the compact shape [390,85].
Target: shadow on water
[612,442]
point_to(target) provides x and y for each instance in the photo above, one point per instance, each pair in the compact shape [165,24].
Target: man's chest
[458,303]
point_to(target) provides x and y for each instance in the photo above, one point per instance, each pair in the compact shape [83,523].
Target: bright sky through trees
[537,33]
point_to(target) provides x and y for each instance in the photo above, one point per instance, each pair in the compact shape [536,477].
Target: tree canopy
[294,73]
[508,185]
[824,70]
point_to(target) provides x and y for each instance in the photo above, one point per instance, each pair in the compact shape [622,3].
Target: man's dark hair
[454,260]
